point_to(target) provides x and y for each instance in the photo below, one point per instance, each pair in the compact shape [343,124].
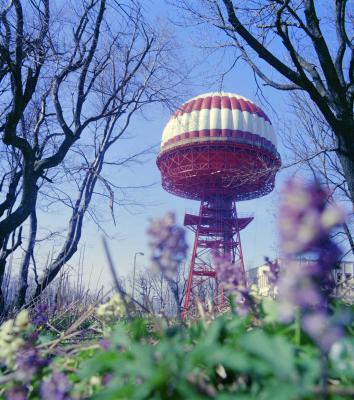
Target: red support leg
[239,247]
[191,271]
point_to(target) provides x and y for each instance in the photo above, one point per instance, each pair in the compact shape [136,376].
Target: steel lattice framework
[234,170]
[217,227]
[218,148]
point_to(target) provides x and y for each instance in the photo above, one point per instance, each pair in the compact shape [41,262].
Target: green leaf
[342,358]
[270,309]
[279,391]
[138,329]
[102,362]
[276,351]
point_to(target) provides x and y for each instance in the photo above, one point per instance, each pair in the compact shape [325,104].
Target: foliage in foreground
[150,358]
[299,346]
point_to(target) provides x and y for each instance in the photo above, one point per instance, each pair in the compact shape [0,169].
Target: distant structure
[343,277]
[217,148]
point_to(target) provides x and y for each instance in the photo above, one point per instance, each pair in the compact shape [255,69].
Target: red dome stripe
[225,102]
[245,136]
[232,103]
[235,105]
[253,108]
[245,106]
[206,103]
[189,107]
[197,104]
[216,102]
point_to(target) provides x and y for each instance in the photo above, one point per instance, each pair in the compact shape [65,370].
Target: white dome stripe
[218,119]
[215,120]
[203,118]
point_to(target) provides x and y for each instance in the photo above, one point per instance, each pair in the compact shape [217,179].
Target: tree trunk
[5,251]
[345,152]
[2,273]
[23,286]
[23,211]
[348,169]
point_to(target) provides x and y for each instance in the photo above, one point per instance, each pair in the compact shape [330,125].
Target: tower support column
[216,228]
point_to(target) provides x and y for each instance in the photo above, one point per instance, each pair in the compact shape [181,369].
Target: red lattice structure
[218,148]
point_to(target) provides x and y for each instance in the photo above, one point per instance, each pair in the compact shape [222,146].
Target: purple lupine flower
[305,218]
[29,360]
[273,273]
[168,244]
[228,274]
[318,326]
[105,344]
[231,277]
[57,387]
[18,392]
[169,248]
[40,316]
[106,379]
[305,222]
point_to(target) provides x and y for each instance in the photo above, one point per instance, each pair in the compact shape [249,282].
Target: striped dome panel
[219,116]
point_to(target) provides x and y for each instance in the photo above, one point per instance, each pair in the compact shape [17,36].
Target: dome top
[218,145]
[216,116]
[213,94]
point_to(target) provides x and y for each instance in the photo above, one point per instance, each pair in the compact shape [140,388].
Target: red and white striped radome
[218,116]
[218,148]
[218,144]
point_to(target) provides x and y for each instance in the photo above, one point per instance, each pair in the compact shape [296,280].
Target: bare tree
[312,145]
[161,294]
[11,175]
[23,55]
[66,80]
[305,42]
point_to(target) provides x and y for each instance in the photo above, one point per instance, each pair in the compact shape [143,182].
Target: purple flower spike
[40,316]
[169,248]
[105,344]
[305,223]
[317,325]
[29,360]
[18,392]
[168,244]
[305,218]
[231,277]
[229,274]
[56,388]
[106,379]
[273,273]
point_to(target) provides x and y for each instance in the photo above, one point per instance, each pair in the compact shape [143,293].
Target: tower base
[216,228]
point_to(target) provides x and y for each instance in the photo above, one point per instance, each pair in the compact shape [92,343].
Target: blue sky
[259,239]
[129,235]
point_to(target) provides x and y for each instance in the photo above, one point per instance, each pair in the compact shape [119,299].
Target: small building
[343,276]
